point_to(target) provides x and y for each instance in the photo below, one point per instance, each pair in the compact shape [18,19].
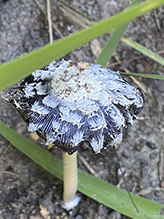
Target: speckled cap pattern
[68,103]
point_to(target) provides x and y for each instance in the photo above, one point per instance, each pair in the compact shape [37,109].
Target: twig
[114,64]
[86,164]
[49,21]
[137,82]
[39,6]
[161,166]
[157,23]
[54,26]
[125,183]
[135,58]
[10,173]
[149,190]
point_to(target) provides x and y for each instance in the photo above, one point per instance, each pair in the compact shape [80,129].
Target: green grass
[144,50]
[17,69]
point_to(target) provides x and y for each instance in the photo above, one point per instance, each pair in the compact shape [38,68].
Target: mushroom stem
[70,179]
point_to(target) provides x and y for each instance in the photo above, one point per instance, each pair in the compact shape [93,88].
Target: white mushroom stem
[70,179]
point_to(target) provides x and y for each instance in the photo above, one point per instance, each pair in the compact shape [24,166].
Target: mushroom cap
[68,103]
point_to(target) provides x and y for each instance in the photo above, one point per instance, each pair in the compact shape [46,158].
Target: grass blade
[112,42]
[153,76]
[111,45]
[19,68]
[144,50]
[95,188]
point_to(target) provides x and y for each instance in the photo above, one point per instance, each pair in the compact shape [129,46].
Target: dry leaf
[95,47]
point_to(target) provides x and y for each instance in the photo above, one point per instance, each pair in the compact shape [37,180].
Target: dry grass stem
[86,164]
[49,21]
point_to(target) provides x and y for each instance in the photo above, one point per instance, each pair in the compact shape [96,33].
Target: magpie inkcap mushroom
[68,103]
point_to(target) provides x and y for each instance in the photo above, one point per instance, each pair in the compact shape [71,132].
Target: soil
[28,191]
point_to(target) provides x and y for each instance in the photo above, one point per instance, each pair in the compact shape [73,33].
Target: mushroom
[68,103]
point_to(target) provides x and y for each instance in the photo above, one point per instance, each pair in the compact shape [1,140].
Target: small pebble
[150,145]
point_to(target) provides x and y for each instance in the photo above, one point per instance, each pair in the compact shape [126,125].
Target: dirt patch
[26,190]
